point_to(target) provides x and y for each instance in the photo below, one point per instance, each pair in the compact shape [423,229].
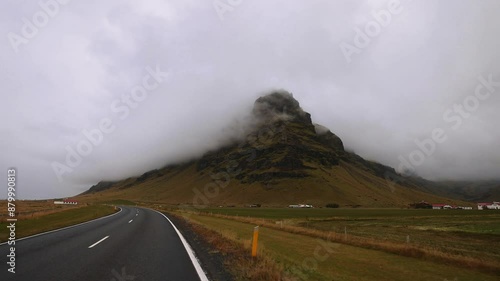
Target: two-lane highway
[135,244]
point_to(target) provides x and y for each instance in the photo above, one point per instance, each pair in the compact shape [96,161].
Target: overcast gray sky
[379,74]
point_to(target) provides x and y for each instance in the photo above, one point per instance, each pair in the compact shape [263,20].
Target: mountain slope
[478,191]
[283,159]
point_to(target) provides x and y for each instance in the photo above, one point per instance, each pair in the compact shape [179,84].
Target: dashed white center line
[98,241]
[130,221]
[136,215]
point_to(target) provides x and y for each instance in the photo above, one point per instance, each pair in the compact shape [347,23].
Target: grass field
[28,209]
[299,256]
[118,202]
[464,232]
[30,226]
[287,213]
[434,238]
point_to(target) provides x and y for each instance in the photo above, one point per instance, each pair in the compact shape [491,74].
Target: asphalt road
[135,244]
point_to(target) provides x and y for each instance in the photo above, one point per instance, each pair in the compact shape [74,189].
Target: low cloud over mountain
[167,81]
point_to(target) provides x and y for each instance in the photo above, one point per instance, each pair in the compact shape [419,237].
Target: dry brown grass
[243,267]
[34,209]
[402,249]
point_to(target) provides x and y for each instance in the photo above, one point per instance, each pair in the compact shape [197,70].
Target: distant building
[300,206]
[438,206]
[421,205]
[254,206]
[66,202]
[489,206]
[447,207]
[442,206]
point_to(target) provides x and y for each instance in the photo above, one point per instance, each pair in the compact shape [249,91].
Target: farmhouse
[446,206]
[300,206]
[66,202]
[489,206]
[441,206]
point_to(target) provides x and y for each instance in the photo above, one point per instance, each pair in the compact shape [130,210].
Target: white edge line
[59,229]
[91,246]
[189,250]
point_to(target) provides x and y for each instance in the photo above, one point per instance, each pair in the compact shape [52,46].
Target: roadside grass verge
[309,256]
[237,259]
[31,226]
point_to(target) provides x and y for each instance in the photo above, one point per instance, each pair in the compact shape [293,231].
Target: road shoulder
[212,260]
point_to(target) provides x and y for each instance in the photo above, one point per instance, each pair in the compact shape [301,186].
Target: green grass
[293,252]
[56,220]
[289,213]
[462,233]
[120,202]
[471,233]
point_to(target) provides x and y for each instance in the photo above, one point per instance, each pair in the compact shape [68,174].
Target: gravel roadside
[212,261]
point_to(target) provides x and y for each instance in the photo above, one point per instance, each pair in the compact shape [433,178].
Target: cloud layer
[89,61]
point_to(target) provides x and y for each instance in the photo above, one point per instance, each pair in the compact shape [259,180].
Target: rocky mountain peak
[280,106]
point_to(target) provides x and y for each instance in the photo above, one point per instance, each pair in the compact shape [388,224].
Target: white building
[446,206]
[490,206]
[441,206]
[300,206]
[66,202]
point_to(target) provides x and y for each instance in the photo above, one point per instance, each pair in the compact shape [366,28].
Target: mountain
[284,158]
[474,191]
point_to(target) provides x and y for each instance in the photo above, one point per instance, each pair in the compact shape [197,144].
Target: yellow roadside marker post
[255,241]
